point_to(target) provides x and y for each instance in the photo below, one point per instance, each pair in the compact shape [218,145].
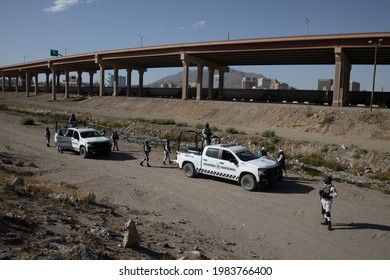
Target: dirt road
[281,222]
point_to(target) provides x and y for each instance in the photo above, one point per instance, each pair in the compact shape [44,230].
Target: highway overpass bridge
[340,50]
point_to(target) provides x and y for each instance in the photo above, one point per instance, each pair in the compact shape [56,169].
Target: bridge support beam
[66,84]
[199,83]
[3,83]
[28,84]
[47,82]
[53,84]
[101,82]
[184,87]
[91,82]
[140,81]
[220,85]
[16,84]
[128,81]
[211,83]
[341,78]
[79,82]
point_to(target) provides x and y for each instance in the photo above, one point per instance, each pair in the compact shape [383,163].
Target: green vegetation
[231,130]
[328,119]
[383,176]
[268,133]
[162,121]
[27,120]
[316,159]
[182,124]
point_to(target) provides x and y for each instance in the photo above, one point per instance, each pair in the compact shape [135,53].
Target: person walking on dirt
[206,132]
[47,136]
[115,140]
[167,151]
[147,150]
[327,193]
[282,161]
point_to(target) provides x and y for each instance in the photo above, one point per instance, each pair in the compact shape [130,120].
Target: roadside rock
[131,238]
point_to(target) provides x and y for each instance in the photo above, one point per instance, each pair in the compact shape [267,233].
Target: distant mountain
[232,79]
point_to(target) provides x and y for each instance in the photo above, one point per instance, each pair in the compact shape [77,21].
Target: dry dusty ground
[181,217]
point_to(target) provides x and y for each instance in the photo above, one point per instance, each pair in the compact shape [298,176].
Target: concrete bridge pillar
[79,82]
[141,81]
[184,88]
[128,81]
[341,78]
[66,84]
[16,84]
[211,83]
[28,84]
[101,83]
[91,82]
[53,84]
[199,82]
[36,84]
[3,83]
[47,81]
[115,90]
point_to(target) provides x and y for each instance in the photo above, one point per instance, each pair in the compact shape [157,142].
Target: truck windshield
[245,155]
[90,134]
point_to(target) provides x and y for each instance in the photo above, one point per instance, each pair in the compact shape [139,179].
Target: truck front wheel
[248,182]
[83,152]
[189,170]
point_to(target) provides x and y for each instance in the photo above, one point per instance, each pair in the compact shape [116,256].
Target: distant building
[72,81]
[249,82]
[167,85]
[264,83]
[278,85]
[110,81]
[325,84]
[354,86]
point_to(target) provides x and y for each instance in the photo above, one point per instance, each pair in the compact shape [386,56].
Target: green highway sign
[53,52]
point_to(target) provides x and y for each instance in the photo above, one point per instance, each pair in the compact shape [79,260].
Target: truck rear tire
[248,182]
[189,170]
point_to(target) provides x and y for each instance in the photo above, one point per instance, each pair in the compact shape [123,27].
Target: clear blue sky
[29,29]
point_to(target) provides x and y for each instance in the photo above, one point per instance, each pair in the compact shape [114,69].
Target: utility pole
[307,26]
[141,37]
[376,46]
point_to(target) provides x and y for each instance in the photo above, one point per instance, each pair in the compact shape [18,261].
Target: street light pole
[307,26]
[376,45]
[141,37]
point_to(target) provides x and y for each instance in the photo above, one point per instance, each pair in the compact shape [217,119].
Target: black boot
[330,226]
[325,222]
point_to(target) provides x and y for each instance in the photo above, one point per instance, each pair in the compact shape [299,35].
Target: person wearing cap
[282,161]
[147,150]
[327,193]
[207,134]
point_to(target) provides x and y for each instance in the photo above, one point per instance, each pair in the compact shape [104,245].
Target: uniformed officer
[47,136]
[327,193]
[147,150]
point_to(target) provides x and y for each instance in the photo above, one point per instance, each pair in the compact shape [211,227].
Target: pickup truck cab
[86,141]
[231,162]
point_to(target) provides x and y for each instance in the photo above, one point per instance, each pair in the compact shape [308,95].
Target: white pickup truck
[86,141]
[230,162]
